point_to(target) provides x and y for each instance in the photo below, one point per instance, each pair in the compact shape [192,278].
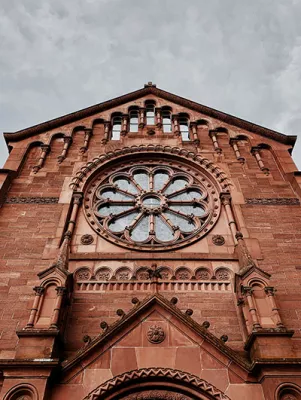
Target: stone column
[226,201]
[56,312]
[62,259]
[67,144]
[233,143]
[270,291]
[107,125]
[88,134]
[255,151]
[45,149]
[124,125]
[39,290]
[176,127]
[247,291]
[193,126]
[213,136]
[141,117]
[158,117]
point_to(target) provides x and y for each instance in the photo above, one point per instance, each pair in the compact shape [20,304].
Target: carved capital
[239,235]
[247,290]
[270,290]
[39,290]
[88,131]
[233,141]
[61,290]
[212,133]
[77,197]
[225,198]
[45,148]
[254,149]
[68,140]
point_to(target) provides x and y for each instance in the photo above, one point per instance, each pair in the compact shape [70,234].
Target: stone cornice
[89,111]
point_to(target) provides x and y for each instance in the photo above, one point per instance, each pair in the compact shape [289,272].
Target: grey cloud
[242,57]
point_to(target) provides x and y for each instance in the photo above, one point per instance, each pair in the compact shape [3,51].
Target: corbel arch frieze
[209,168]
[156,379]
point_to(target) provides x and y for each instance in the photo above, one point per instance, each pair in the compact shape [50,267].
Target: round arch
[156,383]
[91,168]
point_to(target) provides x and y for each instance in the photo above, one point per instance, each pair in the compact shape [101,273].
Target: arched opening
[156,384]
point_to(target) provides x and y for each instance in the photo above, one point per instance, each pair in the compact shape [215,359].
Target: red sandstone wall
[30,232]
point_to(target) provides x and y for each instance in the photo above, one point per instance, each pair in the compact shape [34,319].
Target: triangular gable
[149,89]
[127,340]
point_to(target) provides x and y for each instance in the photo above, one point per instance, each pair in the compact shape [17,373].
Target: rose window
[152,206]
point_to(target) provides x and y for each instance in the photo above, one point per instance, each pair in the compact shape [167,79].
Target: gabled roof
[139,309]
[148,89]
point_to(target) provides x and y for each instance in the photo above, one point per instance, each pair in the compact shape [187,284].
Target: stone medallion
[155,334]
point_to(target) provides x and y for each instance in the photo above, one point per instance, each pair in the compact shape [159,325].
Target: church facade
[150,249]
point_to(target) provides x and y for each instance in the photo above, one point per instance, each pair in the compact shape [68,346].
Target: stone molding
[168,374]
[213,170]
[90,111]
[92,286]
[274,201]
[32,200]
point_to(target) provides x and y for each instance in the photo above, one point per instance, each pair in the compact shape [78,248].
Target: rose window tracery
[152,206]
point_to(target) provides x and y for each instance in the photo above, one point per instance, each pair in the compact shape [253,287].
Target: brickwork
[33,238]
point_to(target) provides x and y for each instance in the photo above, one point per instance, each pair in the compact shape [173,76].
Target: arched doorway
[156,384]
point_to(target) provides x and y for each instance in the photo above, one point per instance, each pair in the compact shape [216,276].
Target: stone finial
[224,338]
[189,312]
[104,326]
[120,312]
[174,301]
[149,84]
[135,301]
[87,339]
[206,324]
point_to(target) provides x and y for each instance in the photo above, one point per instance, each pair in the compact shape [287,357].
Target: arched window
[134,121]
[150,114]
[184,128]
[116,128]
[166,121]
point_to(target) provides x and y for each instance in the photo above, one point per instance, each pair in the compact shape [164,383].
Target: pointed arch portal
[156,384]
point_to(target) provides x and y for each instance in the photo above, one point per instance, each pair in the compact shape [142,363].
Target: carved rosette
[218,240]
[155,334]
[87,239]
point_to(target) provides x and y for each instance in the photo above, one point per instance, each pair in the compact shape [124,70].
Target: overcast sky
[242,57]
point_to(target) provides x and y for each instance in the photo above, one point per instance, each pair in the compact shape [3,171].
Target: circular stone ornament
[147,206]
[218,240]
[87,239]
[155,334]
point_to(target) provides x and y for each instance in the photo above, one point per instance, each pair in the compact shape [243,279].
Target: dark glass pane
[160,179]
[163,231]
[142,179]
[151,202]
[188,195]
[177,184]
[141,230]
[188,210]
[179,221]
[112,195]
[121,223]
[106,210]
[126,185]
[184,132]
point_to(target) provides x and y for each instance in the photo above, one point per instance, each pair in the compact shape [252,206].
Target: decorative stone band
[168,374]
[32,200]
[167,286]
[274,201]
